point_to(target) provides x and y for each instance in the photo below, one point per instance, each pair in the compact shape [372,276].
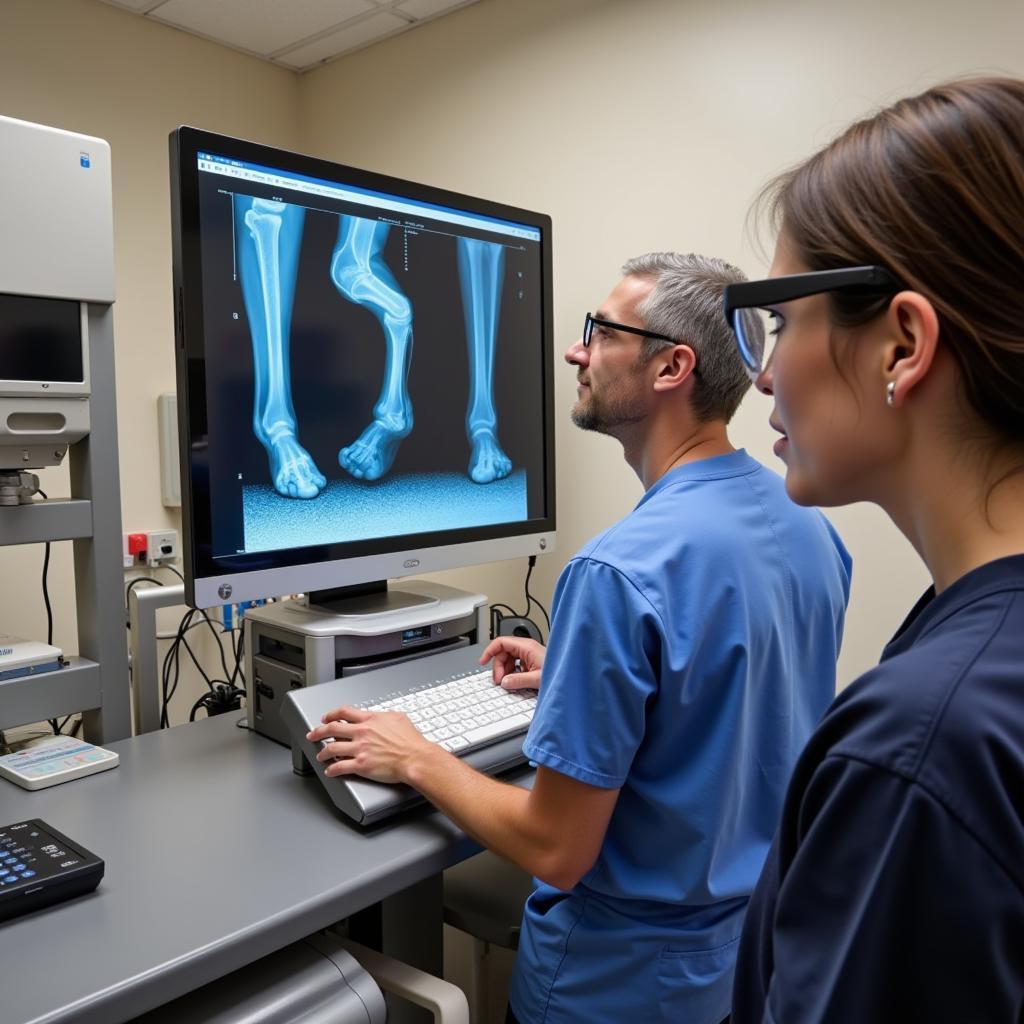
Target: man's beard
[608,414]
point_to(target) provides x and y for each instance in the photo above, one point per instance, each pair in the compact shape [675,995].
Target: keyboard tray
[363,800]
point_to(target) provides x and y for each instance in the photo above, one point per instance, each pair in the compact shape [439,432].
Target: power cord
[496,609]
[223,694]
[530,599]
[54,725]
[219,701]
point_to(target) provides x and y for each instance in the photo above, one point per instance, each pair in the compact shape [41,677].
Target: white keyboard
[461,712]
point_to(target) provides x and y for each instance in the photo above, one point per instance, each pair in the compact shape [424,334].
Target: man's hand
[378,745]
[507,651]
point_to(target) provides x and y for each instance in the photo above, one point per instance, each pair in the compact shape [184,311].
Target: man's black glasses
[588,330]
[747,305]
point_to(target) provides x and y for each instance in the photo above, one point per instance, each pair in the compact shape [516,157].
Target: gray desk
[216,854]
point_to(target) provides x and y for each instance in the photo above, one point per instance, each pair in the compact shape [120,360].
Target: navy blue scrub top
[894,889]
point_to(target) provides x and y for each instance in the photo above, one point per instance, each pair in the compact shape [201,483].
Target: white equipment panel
[56,213]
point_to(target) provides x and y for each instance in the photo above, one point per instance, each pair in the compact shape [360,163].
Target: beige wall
[88,67]
[642,125]
[637,124]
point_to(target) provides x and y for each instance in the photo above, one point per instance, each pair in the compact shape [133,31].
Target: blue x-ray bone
[268,237]
[481,266]
[361,275]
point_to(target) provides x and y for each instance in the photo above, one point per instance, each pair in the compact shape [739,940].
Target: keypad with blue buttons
[42,864]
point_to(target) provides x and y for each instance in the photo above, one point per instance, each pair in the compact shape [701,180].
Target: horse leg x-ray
[269,236]
[481,266]
[361,275]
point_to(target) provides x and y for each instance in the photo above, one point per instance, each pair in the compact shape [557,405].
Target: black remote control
[40,866]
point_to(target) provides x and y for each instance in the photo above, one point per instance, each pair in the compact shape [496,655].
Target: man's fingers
[348,714]
[503,665]
[500,645]
[338,723]
[345,766]
[521,681]
[339,747]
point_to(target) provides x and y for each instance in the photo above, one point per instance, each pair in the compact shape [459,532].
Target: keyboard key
[495,729]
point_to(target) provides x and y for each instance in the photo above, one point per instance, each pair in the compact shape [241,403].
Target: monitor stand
[368,599]
[294,644]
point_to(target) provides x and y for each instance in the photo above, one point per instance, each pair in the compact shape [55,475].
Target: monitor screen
[41,339]
[364,373]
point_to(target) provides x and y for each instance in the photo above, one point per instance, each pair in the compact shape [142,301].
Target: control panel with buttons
[40,866]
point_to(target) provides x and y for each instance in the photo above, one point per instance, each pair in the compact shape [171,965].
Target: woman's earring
[890,392]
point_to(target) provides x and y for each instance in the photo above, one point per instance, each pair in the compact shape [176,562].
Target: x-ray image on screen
[379,394]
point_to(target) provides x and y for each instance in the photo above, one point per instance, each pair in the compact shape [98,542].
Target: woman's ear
[910,351]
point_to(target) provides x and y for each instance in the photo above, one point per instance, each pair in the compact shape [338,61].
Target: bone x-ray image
[377,371]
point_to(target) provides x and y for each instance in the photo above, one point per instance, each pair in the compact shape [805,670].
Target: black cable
[171,670]
[49,609]
[46,595]
[530,599]
[175,571]
[140,579]
[218,702]
[127,591]
[239,649]
[216,637]
[496,616]
[172,661]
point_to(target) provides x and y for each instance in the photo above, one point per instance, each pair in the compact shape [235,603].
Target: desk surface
[216,854]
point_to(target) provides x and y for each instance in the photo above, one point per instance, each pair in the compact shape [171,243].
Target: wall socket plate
[162,547]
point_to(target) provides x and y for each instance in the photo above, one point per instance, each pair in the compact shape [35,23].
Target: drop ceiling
[297,34]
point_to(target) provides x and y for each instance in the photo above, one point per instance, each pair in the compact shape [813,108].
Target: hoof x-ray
[385,361]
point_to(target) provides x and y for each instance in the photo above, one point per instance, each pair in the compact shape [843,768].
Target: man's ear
[675,366]
[909,353]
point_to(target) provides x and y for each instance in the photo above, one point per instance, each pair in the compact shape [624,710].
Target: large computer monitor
[364,374]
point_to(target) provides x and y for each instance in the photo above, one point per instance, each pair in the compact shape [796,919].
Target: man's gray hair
[686,304]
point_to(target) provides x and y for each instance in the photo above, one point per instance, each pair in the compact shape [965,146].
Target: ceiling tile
[141,6]
[350,38]
[428,8]
[259,26]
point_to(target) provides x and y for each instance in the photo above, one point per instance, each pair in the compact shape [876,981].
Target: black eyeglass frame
[772,291]
[590,320]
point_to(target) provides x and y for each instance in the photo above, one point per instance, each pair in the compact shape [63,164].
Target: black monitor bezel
[199,562]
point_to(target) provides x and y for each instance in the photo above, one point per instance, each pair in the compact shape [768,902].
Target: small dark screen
[40,339]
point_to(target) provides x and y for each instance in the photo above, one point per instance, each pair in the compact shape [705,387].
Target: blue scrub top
[692,650]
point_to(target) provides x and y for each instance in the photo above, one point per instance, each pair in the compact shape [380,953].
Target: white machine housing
[58,243]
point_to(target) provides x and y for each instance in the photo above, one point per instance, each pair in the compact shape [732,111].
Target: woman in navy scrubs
[894,890]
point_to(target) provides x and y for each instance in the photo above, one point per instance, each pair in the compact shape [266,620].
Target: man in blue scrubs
[692,650]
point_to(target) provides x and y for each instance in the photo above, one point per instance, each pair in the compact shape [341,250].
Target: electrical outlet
[161,547]
[134,549]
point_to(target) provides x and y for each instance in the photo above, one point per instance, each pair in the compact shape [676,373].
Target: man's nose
[576,354]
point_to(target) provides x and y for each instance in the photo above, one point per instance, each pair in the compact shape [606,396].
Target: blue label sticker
[83,159]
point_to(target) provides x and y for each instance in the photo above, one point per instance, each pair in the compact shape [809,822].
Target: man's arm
[553,831]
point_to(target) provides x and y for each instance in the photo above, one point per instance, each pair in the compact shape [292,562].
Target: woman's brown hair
[932,188]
